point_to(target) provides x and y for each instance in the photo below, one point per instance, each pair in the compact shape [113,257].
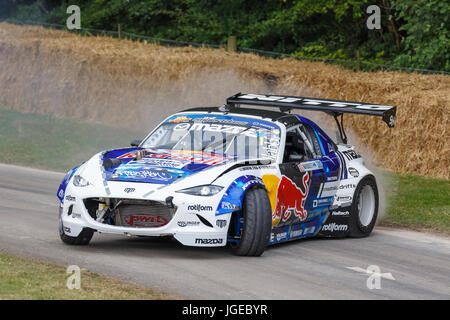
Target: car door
[309,181]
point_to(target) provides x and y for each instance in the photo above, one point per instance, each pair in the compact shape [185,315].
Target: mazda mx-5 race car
[247,177]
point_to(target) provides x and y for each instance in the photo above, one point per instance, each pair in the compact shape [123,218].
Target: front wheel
[257,224]
[82,239]
[364,210]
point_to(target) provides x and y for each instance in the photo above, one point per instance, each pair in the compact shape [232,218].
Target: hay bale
[135,84]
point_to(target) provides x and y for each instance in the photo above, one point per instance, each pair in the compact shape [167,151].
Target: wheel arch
[233,197]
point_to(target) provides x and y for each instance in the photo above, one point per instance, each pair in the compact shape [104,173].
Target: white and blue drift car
[247,177]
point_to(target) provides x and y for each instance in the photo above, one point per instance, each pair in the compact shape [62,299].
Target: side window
[301,144]
[312,138]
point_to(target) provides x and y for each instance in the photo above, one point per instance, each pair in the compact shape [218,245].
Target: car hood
[159,166]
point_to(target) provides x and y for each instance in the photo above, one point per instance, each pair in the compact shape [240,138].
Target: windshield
[230,136]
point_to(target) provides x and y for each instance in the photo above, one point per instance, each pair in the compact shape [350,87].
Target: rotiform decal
[199,207]
[332,227]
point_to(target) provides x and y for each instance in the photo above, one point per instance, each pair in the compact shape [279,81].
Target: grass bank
[25,279]
[418,203]
[47,142]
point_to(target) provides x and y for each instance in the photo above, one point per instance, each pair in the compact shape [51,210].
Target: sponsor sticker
[199,207]
[296,233]
[340,213]
[228,205]
[353,172]
[278,236]
[322,202]
[208,241]
[312,165]
[347,186]
[344,198]
[291,199]
[221,223]
[188,223]
[350,154]
[332,227]
[145,220]
[70,198]
[180,119]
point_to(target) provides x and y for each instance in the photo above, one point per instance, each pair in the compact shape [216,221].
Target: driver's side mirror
[135,143]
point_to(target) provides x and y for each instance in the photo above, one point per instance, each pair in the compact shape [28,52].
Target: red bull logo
[290,200]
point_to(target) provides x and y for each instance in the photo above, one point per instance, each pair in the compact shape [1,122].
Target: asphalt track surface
[304,269]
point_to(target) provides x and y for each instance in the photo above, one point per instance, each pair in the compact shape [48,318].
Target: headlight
[207,190]
[79,181]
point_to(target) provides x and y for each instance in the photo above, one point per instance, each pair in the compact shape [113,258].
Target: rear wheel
[82,239]
[364,210]
[257,224]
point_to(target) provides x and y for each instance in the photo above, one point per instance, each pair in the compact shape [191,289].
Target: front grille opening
[129,212]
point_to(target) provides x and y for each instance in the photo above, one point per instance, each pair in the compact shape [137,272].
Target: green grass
[418,202]
[29,279]
[43,141]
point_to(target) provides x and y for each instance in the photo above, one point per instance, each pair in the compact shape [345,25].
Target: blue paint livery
[62,187]
[233,197]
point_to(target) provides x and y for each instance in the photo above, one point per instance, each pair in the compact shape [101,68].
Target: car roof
[285,118]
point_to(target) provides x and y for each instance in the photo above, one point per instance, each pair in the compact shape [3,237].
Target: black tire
[362,226]
[82,239]
[257,225]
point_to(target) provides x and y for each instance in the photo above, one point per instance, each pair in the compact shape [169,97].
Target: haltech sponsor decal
[340,213]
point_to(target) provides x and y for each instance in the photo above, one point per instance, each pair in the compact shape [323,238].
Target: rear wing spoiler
[332,107]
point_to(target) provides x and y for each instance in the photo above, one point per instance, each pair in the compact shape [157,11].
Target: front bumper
[194,222]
